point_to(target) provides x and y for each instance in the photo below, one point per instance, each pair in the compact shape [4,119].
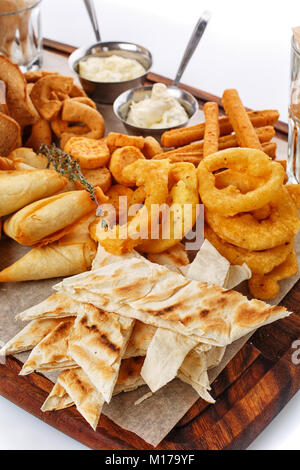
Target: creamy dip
[158,111]
[113,68]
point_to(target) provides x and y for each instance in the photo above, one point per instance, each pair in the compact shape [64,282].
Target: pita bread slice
[29,336]
[208,313]
[130,375]
[56,306]
[208,266]
[214,356]
[58,399]
[165,355]
[88,400]
[194,368]
[139,340]
[97,344]
[52,352]
[202,391]
[173,258]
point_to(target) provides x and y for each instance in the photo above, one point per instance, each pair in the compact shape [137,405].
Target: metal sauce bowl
[107,92]
[122,105]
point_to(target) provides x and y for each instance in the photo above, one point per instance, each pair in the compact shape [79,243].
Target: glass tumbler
[20,33]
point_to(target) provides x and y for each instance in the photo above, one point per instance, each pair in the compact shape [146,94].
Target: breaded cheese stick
[212,131]
[239,119]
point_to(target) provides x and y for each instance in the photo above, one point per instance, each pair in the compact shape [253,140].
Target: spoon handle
[89,4]
[192,44]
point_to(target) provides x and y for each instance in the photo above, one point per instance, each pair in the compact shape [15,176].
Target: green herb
[67,166]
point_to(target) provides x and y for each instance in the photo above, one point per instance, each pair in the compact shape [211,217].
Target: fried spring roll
[72,254]
[39,220]
[239,119]
[211,133]
[19,188]
[187,135]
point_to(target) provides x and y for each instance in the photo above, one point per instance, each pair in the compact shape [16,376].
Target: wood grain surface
[250,391]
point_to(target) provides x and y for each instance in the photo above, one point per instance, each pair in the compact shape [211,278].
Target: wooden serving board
[250,391]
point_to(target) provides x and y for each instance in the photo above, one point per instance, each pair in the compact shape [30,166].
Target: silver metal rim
[116,106]
[85,52]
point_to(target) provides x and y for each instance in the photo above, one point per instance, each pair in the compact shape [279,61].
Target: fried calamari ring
[75,111]
[183,209]
[245,231]
[230,201]
[90,153]
[121,158]
[266,287]
[260,262]
[153,176]
[41,94]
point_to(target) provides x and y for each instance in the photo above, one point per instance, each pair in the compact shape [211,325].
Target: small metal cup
[107,92]
[122,105]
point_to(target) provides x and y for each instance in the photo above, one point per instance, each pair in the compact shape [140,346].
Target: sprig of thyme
[67,166]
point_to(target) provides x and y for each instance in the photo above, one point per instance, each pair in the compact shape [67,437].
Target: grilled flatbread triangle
[97,344]
[88,400]
[166,299]
[58,399]
[29,336]
[55,306]
[51,352]
[72,385]
[165,355]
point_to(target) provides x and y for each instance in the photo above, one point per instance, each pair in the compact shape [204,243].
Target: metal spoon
[89,4]
[192,44]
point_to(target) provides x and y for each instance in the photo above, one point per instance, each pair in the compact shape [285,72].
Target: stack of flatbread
[132,321]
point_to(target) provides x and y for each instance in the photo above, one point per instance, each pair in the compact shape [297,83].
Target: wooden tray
[251,390]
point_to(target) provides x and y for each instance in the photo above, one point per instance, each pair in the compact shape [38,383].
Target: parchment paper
[154,418]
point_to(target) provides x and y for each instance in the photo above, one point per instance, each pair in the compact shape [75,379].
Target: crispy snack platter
[250,391]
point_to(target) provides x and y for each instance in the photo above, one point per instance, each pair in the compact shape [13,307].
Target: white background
[246,46]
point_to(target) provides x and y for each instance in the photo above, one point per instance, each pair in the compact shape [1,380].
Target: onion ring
[267,287]
[245,231]
[230,201]
[260,262]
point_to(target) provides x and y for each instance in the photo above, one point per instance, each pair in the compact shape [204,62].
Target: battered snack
[260,262]
[40,134]
[186,135]
[115,140]
[151,147]
[121,158]
[229,201]
[211,133]
[183,200]
[267,287]
[100,177]
[90,153]
[47,105]
[153,176]
[265,134]
[239,119]
[75,111]
[245,231]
